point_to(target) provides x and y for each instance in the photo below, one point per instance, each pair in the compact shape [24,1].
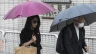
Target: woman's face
[34,22]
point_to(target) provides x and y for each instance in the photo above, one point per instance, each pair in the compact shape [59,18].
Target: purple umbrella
[29,8]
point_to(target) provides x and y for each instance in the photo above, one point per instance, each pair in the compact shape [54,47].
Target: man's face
[80,21]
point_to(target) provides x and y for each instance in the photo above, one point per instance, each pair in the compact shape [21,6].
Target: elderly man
[73,37]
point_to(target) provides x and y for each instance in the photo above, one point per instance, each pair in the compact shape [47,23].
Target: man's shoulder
[66,27]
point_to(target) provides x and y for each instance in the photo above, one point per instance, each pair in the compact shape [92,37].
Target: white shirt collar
[77,31]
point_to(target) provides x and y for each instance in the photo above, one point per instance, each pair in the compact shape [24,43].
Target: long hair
[28,24]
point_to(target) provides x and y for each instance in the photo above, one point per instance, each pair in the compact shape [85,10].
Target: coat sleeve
[23,37]
[84,43]
[66,42]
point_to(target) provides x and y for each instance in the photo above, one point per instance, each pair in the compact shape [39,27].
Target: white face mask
[80,25]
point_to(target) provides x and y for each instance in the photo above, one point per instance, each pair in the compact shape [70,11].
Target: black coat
[70,41]
[26,36]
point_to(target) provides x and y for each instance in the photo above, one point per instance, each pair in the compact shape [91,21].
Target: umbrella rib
[89,7]
[46,6]
[79,12]
[94,6]
[36,11]
[22,9]
[86,20]
[31,8]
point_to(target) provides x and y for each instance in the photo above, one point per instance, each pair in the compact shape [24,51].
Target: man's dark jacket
[70,41]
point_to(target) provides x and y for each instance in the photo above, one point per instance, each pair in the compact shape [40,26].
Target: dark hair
[28,23]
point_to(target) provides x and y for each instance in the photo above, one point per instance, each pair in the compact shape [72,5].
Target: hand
[33,38]
[86,48]
[25,44]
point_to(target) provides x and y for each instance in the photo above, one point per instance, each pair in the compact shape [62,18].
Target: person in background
[30,34]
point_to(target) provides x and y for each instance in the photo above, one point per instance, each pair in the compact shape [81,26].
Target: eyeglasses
[35,21]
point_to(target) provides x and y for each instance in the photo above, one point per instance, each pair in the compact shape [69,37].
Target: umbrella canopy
[67,16]
[29,8]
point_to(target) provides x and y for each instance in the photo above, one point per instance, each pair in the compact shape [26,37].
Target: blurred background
[10,29]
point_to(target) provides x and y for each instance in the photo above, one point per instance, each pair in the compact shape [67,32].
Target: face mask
[80,25]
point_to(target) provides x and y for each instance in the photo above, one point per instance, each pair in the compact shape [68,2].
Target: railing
[1,42]
[91,42]
[48,42]
[11,40]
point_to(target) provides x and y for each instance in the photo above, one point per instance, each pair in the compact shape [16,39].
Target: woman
[30,34]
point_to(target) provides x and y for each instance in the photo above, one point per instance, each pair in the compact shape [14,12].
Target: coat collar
[74,33]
